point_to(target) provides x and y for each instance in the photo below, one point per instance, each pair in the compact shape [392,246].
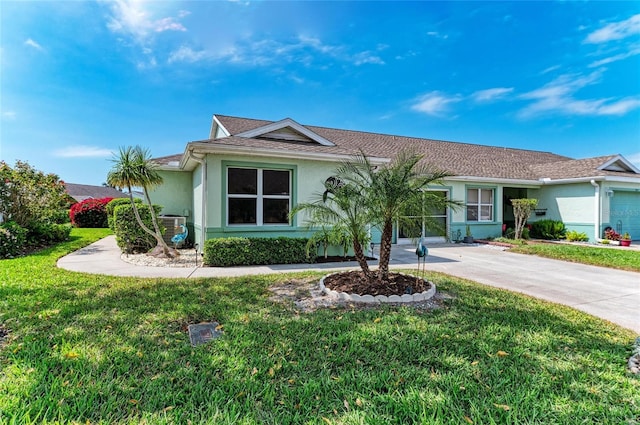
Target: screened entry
[433,225]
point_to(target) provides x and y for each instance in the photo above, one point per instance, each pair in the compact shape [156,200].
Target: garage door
[625,213]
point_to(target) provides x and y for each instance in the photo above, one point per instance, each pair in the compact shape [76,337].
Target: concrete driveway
[610,294]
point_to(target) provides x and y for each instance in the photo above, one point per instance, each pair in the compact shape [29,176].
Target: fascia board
[209,148]
[475,179]
[547,181]
[215,122]
[287,122]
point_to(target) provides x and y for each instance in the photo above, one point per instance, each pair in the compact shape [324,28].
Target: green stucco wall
[175,194]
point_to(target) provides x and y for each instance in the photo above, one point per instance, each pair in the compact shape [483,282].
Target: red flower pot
[625,242]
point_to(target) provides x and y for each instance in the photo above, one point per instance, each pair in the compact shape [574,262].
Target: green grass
[99,349]
[624,259]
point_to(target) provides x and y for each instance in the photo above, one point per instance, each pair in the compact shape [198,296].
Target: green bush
[548,229]
[129,235]
[575,236]
[47,233]
[12,239]
[224,252]
[111,206]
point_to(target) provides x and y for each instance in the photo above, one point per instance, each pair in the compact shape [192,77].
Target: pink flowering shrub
[90,213]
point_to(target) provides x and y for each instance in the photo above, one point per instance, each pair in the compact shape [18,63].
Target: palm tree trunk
[136,213]
[385,251]
[158,234]
[362,260]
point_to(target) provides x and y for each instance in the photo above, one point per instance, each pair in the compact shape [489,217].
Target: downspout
[201,160]
[597,210]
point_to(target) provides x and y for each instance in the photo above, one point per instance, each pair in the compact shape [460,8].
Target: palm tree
[340,206]
[133,168]
[361,195]
[391,193]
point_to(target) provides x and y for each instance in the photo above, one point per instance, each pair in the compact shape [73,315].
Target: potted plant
[625,240]
[468,238]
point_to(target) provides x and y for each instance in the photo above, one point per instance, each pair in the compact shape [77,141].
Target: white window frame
[479,205]
[259,196]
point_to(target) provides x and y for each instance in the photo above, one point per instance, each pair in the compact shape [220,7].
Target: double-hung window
[480,204]
[258,196]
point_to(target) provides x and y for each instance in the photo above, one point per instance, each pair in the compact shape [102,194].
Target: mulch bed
[338,259]
[355,282]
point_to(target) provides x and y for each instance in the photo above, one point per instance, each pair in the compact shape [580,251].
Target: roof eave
[211,148]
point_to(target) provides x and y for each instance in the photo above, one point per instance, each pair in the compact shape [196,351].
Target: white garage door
[625,213]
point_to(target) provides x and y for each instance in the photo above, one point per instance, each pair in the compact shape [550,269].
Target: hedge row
[224,252]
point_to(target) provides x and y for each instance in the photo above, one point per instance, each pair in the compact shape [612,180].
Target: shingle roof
[459,159]
[80,192]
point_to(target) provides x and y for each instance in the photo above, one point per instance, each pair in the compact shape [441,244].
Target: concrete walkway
[611,294]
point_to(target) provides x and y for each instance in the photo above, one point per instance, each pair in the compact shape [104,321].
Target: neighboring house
[80,192]
[245,178]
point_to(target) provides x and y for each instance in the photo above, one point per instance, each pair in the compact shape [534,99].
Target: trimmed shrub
[111,206]
[47,233]
[224,252]
[548,229]
[12,239]
[129,235]
[575,236]
[90,213]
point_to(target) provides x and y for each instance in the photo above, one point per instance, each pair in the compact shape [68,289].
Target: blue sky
[80,79]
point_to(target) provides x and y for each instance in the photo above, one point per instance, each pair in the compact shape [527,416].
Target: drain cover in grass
[202,333]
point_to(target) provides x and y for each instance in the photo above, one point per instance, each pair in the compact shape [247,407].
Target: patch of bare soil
[306,297]
[4,335]
[355,282]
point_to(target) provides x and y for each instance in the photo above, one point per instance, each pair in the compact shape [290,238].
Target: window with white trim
[258,196]
[480,204]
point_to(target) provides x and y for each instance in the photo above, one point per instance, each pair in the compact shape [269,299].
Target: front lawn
[98,349]
[625,259]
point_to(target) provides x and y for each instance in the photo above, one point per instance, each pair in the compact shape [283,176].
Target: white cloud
[187,54]
[9,115]
[615,58]
[130,18]
[83,151]
[434,103]
[558,97]
[30,42]
[367,57]
[489,95]
[615,31]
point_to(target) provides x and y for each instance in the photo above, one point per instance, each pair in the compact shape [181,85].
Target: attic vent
[287,134]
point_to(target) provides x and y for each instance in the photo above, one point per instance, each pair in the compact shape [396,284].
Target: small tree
[29,196]
[133,168]
[522,209]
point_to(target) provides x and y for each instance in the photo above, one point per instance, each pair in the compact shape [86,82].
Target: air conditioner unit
[172,226]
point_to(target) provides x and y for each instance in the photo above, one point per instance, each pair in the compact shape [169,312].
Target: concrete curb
[356,298]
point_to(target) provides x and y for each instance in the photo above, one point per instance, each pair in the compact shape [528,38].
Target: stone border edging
[406,298]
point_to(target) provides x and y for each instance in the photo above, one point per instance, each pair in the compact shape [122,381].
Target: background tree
[133,168]
[29,196]
[522,209]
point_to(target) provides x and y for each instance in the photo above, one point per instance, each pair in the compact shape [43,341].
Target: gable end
[619,163]
[286,130]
